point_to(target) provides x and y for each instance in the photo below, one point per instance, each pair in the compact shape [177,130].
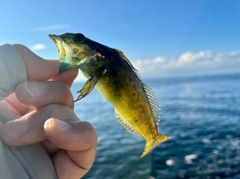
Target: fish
[136,106]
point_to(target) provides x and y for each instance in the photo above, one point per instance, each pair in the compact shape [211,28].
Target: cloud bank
[191,63]
[38,47]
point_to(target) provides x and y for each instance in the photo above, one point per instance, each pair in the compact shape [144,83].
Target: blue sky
[160,37]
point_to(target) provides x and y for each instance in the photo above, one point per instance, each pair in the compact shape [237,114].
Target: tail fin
[152,144]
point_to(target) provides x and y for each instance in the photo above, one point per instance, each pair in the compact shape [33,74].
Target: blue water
[202,114]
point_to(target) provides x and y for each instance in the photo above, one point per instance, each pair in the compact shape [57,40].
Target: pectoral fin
[89,85]
[87,88]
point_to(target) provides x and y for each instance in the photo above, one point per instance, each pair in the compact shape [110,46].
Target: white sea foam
[206,141]
[215,152]
[188,158]
[170,162]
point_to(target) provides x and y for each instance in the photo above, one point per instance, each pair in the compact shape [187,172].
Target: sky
[160,37]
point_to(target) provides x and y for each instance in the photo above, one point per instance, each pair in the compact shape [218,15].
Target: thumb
[78,141]
[37,68]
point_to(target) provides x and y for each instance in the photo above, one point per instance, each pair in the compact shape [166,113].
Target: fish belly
[128,97]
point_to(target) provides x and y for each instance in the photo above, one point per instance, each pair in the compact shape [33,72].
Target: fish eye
[78,37]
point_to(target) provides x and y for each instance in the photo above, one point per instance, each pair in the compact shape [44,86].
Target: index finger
[13,104]
[38,94]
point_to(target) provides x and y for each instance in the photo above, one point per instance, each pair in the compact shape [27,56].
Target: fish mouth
[64,50]
[57,41]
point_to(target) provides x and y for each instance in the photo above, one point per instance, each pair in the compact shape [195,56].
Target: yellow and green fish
[136,105]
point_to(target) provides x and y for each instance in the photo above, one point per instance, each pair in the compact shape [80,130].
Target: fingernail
[35,89]
[16,128]
[62,126]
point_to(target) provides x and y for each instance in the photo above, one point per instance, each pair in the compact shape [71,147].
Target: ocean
[202,114]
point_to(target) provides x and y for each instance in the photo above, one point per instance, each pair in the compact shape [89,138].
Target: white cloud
[52,27]
[187,63]
[38,47]
[189,58]
[191,62]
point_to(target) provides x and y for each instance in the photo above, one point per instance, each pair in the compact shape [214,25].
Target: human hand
[46,116]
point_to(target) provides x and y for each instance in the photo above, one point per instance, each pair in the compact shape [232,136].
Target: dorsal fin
[152,98]
[124,57]
[120,53]
[153,102]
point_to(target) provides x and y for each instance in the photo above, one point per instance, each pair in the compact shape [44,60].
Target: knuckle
[21,93]
[61,93]
[56,110]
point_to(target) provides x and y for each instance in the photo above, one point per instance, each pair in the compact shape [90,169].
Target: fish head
[76,51]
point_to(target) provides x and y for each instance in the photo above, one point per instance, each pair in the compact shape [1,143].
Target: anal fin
[125,123]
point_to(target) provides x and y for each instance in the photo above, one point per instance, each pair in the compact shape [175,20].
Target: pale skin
[46,109]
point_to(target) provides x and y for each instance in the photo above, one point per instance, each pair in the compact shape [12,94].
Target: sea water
[202,114]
